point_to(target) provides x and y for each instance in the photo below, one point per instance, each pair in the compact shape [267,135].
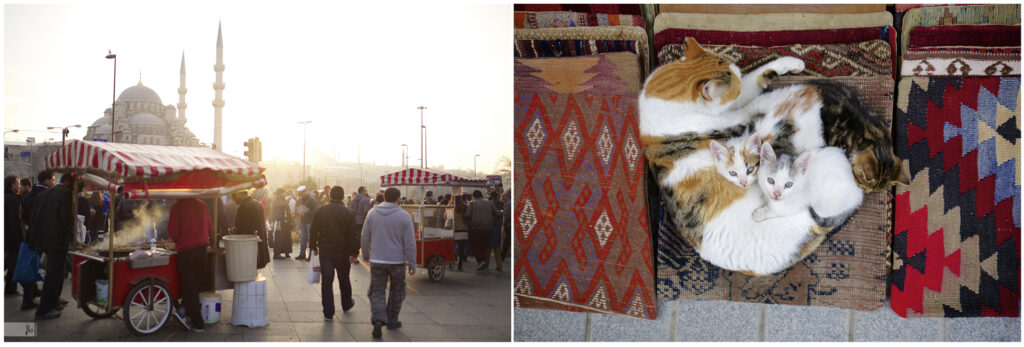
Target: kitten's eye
[789,184]
[732,173]
[771,180]
[750,170]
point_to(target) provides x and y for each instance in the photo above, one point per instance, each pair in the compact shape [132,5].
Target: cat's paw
[787,65]
[760,214]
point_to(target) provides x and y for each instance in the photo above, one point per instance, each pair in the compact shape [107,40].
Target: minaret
[181,91]
[218,87]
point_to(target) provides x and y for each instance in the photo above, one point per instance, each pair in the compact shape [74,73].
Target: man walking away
[52,226]
[307,205]
[480,214]
[360,206]
[189,227]
[333,236]
[390,247]
[14,235]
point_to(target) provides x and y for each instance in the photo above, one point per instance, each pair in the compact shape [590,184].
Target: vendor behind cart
[189,227]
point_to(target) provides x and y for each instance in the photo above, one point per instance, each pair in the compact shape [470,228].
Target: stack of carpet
[957,233]
[582,230]
[851,44]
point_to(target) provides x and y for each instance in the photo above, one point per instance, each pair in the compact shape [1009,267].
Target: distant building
[143,119]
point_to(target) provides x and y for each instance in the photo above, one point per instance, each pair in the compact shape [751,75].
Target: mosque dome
[102,130]
[146,119]
[105,120]
[139,93]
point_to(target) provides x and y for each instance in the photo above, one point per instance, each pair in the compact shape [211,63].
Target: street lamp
[423,144]
[64,132]
[304,123]
[113,98]
[474,164]
[16,130]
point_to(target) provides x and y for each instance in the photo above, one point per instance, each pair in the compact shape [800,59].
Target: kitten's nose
[777,194]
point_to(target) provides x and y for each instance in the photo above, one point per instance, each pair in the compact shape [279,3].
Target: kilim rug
[973,35]
[563,42]
[606,73]
[957,235]
[978,53]
[582,232]
[961,66]
[561,19]
[633,9]
[772,8]
[869,58]
[775,38]
[769,22]
[848,270]
[953,15]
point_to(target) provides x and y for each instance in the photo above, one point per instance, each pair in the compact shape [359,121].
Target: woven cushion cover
[848,270]
[869,58]
[771,8]
[957,15]
[957,236]
[769,22]
[561,19]
[582,232]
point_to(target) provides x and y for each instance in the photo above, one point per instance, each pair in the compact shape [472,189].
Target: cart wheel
[435,268]
[147,308]
[94,310]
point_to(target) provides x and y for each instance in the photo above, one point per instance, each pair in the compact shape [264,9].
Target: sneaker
[301,257]
[62,301]
[59,307]
[328,318]
[29,305]
[376,329]
[180,315]
[198,330]
[394,325]
[48,315]
[350,305]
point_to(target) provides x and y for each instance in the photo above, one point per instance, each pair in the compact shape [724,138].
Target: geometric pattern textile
[537,20]
[605,73]
[954,67]
[582,232]
[775,38]
[769,22]
[956,241]
[848,270]
[771,8]
[977,53]
[578,41]
[634,9]
[1008,14]
[869,58]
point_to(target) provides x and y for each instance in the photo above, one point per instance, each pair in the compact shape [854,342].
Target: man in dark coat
[52,231]
[14,235]
[250,220]
[333,236]
[44,181]
[307,205]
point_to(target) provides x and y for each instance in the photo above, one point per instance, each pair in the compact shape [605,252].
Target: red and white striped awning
[423,177]
[167,167]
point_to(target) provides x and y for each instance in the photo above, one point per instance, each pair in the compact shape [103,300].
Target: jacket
[12,222]
[360,206]
[388,236]
[52,220]
[188,224]
[481,214]
[333,231]
[310,203]
[250,220]
[28,205]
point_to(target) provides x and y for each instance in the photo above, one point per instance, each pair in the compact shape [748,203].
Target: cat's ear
[767,153]
[718,151]
[753,144]
[803,161]
[693,49]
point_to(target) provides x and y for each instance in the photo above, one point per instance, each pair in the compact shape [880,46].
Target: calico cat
[737,160]
[820,179]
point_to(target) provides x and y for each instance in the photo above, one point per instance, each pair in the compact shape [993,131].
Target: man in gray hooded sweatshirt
[389,246]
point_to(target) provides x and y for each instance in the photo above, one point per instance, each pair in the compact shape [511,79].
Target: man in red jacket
[189,227]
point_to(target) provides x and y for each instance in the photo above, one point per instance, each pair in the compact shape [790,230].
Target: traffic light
[249,149]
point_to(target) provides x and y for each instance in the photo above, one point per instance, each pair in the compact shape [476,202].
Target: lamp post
[304,123]
[423,130]
[474,164]
[64,132]
[16,130]
[113,98]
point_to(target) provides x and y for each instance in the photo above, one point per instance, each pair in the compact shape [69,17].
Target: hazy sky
[358,70]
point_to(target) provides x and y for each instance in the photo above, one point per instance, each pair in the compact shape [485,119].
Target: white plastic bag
[314,269]
[80,231]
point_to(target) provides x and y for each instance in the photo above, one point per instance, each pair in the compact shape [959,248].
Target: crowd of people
[336,228]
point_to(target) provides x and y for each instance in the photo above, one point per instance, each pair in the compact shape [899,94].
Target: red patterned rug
[862,59]
[562,19]
[957,235]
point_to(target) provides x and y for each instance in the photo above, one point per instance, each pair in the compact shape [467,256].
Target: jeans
[380,274]
[329,264]
[303,240]
[53,282]
[187,262]
[461,250]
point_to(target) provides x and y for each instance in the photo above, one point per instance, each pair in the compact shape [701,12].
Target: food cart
[433,227]
[143,281]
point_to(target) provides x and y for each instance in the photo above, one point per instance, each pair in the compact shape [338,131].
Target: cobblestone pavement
[464,306]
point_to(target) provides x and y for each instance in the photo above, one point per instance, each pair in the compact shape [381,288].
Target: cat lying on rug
[687,104]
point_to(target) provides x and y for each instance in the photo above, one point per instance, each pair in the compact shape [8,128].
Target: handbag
[27,270]
[314,269]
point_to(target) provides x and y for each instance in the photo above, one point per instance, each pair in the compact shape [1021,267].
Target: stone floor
[735,321]
[464,306]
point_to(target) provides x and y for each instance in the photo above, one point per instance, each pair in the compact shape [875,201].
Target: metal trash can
[241,257]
